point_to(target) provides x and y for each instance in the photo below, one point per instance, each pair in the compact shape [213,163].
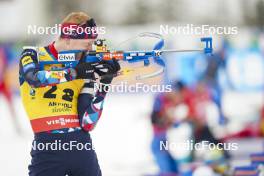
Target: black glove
[84,71]
[107,70]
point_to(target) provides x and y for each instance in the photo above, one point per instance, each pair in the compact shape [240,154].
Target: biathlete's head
[78,32]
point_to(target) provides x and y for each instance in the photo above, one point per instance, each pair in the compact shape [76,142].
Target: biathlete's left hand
[107,70]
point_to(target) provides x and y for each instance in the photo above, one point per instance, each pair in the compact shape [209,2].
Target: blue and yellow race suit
[54,100]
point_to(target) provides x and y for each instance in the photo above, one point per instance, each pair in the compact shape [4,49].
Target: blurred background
[215,98]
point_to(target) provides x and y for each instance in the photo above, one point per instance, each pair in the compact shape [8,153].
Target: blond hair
[76,18]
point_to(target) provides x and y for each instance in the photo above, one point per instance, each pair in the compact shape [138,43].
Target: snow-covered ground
[122,137]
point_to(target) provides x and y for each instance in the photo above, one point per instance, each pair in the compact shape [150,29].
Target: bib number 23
[67,96]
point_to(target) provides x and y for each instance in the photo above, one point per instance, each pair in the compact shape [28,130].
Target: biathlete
[62,105]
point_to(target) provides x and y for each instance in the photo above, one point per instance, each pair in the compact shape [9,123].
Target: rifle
[101,52]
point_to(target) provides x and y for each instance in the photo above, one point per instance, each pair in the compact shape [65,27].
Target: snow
[121,138]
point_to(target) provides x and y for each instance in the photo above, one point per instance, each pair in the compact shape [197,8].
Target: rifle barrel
[190,50]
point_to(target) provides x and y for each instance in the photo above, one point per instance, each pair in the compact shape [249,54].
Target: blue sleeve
[29,71]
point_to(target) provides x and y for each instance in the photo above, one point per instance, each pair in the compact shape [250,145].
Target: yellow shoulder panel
[43,55]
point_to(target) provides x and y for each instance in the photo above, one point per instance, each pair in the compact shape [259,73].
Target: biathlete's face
[80,44]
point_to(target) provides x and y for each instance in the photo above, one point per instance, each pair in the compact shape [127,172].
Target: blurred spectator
[171,110]
[5,89]
[162,121]
[216,62]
